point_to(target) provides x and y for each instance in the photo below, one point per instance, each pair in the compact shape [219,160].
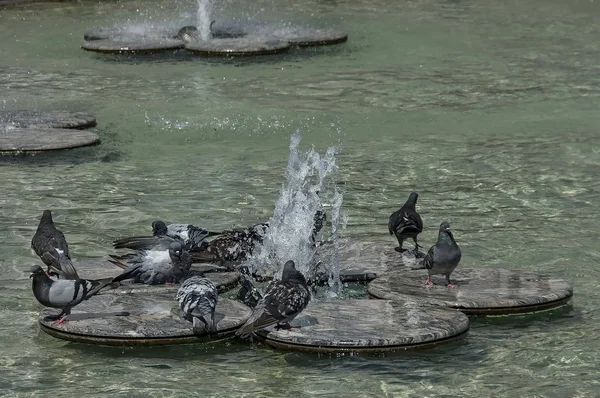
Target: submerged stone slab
[133,45]
[482,291]
[144,319]
[306,37]
[368,325]
[238,47]
[363,260]
[44,139]
[46,119]
[101,268]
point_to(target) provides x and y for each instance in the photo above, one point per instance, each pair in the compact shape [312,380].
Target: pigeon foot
[428,281]
[400,249]
[59,320]
[451,285]
[168,283]
[286,326]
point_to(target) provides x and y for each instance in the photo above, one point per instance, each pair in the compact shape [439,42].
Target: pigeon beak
[31,276]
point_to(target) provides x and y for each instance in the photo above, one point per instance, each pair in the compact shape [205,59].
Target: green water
[488,109]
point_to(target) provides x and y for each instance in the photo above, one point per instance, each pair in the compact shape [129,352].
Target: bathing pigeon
[154,267]
[63,293]
[443,257]
[406,223]
[282,302]
[50,245]
[198,298]
[248,294]
[192,237]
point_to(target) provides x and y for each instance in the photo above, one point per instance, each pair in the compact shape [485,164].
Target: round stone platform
[238,47]
[144,319]
[305,37]
[363,261]
[46,119]
[133,45]
[101,268]
[484,291]
[44,139]
[368,325]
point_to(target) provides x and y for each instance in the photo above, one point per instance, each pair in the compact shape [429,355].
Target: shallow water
[488,109]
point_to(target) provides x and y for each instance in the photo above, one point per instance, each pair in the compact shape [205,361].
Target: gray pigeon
[154,267]
[443,257]
[192,237]
[282,302]
[63,293]
[50,245]
[406,223]
[198,298]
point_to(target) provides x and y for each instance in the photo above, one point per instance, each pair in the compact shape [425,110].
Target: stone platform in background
[238,47]
[46,119]
[482,291]
[307,37]
[145,319]
[364,261]
[368,326]
[133,45]
[101,268]
[20,140]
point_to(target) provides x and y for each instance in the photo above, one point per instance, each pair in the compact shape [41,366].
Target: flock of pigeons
[166,257]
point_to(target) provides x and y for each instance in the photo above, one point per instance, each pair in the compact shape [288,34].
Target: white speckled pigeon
[406,223]
[50,245]
[63,293]
[282,302]
[198,298]
[443,257]
[154,267]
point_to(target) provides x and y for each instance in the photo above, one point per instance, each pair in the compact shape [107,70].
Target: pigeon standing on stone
[154,267]
[63,293]
[192,237]
[50,245]
[282,302]
[198,298]
[406,223]
[443,257]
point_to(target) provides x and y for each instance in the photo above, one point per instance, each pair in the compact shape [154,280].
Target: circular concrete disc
[124,33]
[100,268]
[145,319]
[133,45]
[363,260]
[305,37]
[484,291]
[47,119]
[368,325]
[238,47]
[44,139]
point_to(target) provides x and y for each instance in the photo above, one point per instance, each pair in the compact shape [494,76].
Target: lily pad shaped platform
[38,139]
[140,319]
[46,119]
[359,325]
[483,291]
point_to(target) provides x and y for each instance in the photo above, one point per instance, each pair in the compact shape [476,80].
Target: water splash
[290,235]
[204,18]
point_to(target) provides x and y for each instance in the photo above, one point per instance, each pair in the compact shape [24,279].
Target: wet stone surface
[44,139]
[150,318]
[133,45]
[372,325]
[46,119]
[239,46]
[480,291]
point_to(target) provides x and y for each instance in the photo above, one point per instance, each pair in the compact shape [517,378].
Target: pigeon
[248,294]
[282,302]
[192,237]
[154,267]
[190,33]
[406,223]
[63,293]
[50,245]
[443,257]
[197,297]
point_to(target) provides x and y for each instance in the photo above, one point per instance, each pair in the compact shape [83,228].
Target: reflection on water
[488,110]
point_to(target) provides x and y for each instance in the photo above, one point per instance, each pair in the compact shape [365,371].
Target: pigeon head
[159,228]
[290,272]
[47,215]
[35,270]
[445,230]
[175,250]
[412,198]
